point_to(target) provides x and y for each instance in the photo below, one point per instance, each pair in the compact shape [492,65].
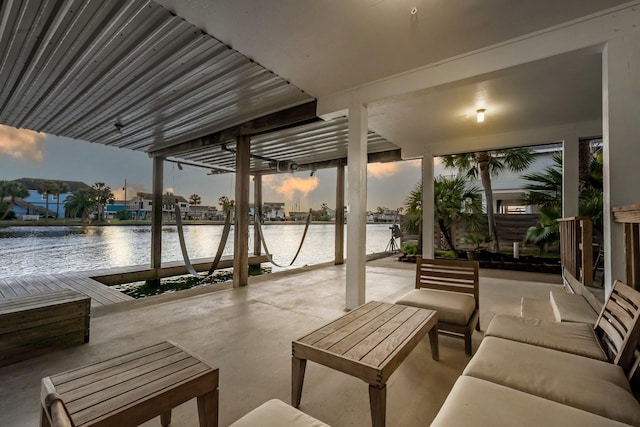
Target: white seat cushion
[276,413]
[572,308]
[587,384]
[479,403]
[452,307]
[576,338]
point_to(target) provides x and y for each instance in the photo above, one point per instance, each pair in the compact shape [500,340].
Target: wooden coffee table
[369,343]
[132,388]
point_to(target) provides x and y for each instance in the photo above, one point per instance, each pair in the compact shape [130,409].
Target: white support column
[621,127]
[570,176]
[357,196]
[428,206]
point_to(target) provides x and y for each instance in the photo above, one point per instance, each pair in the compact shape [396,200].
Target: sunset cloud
[22,144]
[382,170]
[291,186]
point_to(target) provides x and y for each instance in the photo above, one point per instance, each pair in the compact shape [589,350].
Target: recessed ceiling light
[480,115]
[414,11]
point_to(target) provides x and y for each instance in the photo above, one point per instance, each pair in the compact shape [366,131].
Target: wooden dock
[95,283]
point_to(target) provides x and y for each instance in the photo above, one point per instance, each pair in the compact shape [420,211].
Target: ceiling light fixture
[414,10]
[118,127]
[480,115]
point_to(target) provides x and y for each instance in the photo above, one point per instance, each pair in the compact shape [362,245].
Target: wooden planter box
[31,324]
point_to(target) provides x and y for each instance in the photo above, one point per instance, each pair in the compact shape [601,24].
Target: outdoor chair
[451,288]
[613,338]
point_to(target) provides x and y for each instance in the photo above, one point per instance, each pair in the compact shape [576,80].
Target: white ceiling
[332,46]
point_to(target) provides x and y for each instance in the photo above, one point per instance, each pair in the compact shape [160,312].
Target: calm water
[49,250]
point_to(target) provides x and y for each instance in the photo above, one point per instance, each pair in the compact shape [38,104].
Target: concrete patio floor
[247,333]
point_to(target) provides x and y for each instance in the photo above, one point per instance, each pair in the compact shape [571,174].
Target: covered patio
[187,83]
[247,332]
[252,89]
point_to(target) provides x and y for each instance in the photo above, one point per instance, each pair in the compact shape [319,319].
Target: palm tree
[81,202]
[194,200]
[45,188]
[412,222]
[14,190]
[487,164]
[103,196]
[57,189]
[226,204]
[454,203]
[545,190]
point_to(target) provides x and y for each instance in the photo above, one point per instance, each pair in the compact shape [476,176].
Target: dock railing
[629,217]
[576,251]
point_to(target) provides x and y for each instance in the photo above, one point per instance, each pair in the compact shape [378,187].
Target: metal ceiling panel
[75,68]
[78,68]
[307,146]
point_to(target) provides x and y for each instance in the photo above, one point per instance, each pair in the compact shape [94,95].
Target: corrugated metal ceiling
[130,74]
[313,145]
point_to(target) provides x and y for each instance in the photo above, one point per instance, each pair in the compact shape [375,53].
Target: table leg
[433,340]
[378,403]
[165,418]
[297,378]
[208,409]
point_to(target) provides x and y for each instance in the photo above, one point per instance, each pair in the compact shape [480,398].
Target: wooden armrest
[57,412]
[53,406]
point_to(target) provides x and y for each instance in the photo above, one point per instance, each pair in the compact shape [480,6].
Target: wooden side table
[133,388]
[369,343]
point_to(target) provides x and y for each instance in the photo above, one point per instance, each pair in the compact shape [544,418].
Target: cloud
[132,191]
[22,144]
[290,186]
[382,170]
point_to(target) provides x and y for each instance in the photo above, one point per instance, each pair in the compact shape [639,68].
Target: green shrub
[410,249]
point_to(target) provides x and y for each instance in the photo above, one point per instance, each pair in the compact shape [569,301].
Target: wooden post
[156,216]
[241,225]
[339,232]
[257,215]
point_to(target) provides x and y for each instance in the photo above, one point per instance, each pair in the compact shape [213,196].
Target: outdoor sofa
[528,372]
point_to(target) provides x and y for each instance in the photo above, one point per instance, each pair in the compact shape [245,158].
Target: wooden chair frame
[618,326]
[457,276]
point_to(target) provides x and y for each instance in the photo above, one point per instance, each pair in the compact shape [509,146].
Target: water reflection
[50,250]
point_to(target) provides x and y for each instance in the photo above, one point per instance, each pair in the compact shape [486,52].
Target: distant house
[202,212]
[36,203]
[270,211]
[141,205]
[114,208]
[387,215]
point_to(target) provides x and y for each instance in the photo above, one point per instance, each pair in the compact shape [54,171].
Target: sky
[28,154]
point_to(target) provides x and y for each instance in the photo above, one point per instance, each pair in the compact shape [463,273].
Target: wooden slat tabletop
[95,393]
[368,342]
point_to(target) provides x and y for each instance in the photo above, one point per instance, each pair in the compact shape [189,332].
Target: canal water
[50,250]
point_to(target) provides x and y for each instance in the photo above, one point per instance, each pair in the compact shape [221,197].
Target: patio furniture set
[525,372]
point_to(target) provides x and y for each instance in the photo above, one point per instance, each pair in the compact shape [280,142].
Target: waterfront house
[141,206]
[38,200]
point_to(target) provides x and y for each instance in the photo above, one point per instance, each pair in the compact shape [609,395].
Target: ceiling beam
[380,157]
[294,116]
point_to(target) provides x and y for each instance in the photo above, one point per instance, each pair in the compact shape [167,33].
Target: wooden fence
[576,251]
[511,228]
